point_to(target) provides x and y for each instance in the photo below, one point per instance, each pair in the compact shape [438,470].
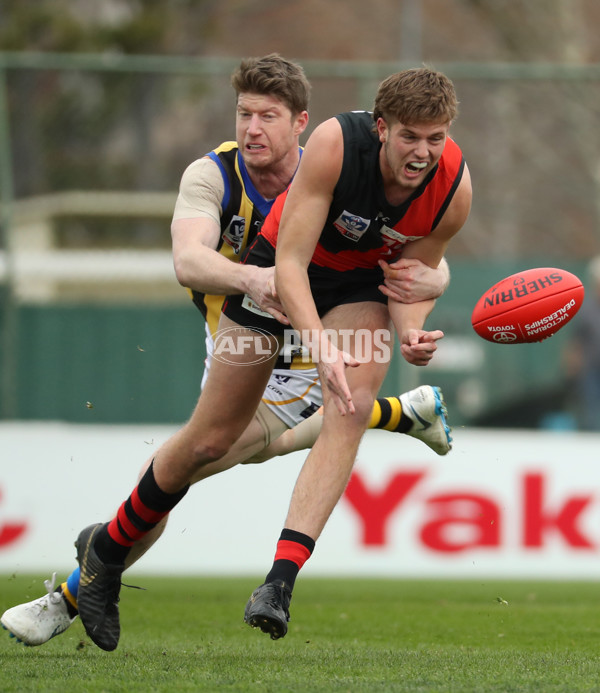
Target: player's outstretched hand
[261,289]
[332,370]
[419,346]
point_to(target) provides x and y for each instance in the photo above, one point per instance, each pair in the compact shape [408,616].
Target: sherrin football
[528,306]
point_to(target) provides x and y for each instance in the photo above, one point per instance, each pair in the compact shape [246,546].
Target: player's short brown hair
[274,76]
[420,95]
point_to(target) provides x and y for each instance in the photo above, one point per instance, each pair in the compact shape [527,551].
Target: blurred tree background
[528,123]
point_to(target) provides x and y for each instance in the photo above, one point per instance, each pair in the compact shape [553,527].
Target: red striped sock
[293,550]
[133,519]
[141,512]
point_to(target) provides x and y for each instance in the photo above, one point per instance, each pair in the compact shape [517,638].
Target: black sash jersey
[362,226]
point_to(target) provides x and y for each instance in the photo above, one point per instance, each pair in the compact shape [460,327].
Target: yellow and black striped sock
[70,600]
[388,415]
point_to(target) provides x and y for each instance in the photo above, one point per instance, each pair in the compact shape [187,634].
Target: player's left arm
[418,345]
[431,249]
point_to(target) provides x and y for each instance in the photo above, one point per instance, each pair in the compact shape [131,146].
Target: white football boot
[34,623]
[426,408]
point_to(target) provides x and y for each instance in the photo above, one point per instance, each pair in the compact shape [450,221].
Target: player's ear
[301,122]
[382,130]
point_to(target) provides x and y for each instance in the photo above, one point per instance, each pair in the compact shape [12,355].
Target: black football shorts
[330,288]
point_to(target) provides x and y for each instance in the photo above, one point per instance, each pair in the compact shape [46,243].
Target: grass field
[187,634]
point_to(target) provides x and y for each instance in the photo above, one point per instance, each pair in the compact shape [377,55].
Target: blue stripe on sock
[73,582]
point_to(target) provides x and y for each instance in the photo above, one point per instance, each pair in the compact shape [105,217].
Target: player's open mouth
[416,166]
[255,147]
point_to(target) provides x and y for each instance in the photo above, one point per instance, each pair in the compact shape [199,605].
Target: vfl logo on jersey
[351,226]
[234,235]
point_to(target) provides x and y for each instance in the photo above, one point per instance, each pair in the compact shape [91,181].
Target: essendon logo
[520,289]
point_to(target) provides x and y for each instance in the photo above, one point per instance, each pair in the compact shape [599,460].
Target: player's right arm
[195,234]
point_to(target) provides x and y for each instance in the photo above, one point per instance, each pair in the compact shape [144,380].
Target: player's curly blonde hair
[419,95]
[273,75]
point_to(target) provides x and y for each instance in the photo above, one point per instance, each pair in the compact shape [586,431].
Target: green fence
[109,364]
[116,364]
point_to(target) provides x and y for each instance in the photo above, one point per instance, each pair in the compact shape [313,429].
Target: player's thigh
[235,383]
[368,315]
[364,330]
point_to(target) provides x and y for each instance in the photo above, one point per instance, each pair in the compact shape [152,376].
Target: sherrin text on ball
[528,306]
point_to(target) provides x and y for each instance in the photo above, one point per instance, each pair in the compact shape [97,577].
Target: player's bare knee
[211,448]
[363,404]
